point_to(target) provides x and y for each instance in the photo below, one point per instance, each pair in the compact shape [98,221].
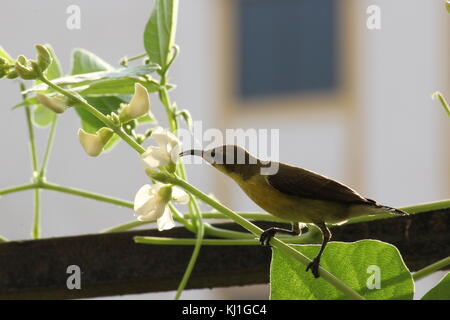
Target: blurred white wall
[402,138]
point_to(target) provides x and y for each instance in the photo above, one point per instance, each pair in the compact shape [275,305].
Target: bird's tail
[387,208]
[395,210]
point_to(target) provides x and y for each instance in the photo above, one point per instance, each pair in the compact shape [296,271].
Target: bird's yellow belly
[292,208]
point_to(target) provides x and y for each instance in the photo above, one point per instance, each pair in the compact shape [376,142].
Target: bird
[294,194]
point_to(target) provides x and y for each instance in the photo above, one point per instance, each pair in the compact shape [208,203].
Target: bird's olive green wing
[307,184]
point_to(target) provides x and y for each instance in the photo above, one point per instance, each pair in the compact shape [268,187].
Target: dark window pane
[286,46]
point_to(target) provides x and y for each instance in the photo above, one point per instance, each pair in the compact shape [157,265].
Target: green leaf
[86,65]
[43,116]
[90,78]
[123,86]
[159,34]
[441,291]
[84,61]
[54,70]
[350,262]
[105,105]
[5,55]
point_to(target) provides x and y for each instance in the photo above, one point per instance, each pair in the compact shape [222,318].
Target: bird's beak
[192,152]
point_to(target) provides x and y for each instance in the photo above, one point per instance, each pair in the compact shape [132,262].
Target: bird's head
[232,160]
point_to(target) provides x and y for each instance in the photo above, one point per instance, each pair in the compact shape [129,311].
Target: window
[286,46]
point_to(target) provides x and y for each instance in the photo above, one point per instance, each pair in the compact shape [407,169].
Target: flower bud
[44,58]
[12,74]
[57,104]
[24,69]
[93,143]
[138,107]
[115,119]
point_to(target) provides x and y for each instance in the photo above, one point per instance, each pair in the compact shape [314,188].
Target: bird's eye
[213,153]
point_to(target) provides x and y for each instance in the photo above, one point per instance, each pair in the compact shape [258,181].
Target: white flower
[93,143]
[150,203]
[57,104]
[139,104]
[166,153]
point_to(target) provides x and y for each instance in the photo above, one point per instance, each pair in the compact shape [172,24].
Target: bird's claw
[266,236]
[314,266]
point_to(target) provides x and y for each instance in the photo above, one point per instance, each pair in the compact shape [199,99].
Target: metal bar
[112,264]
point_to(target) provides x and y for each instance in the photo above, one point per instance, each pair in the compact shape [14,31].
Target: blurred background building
[351,103]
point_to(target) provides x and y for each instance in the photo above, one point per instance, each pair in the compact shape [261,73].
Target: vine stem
[193,205]
[31,139]
[17,189]
[208,242]
[108,122]
[275,242]
[422,273]
[85,194]
[36,231]
[197,246]
[442,101]
[48,149]
[140,56]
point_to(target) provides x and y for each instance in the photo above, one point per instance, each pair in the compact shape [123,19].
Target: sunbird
[292,193]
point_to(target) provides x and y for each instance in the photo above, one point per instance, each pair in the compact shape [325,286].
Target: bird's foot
[314,266]
[266,236]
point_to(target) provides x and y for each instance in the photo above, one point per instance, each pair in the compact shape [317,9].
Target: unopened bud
[25,70]
[44,58]
[114,119]
[93,143]
[12,74]
[57,104]
[138,107]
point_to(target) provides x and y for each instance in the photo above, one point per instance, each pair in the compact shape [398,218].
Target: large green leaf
[441,291]
[123,86]
[159,34]
[86,68]
[105,105]
[54,70]
[127,75]
[84,61]
[354,263]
